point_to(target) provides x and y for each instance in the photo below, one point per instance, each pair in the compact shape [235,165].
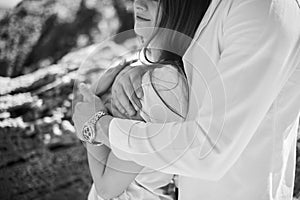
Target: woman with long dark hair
[166,28]
[239,138]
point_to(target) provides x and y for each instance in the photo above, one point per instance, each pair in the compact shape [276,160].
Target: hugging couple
[211,104]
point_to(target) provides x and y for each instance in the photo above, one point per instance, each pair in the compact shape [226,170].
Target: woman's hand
[107,78]
[127,89]
[83,111]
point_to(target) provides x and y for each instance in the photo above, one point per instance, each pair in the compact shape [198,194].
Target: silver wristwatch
[89,129]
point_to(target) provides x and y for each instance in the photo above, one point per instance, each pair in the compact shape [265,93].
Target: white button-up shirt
[239,139]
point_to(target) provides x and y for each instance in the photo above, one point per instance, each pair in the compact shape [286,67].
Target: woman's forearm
[97,158]
[116,175]
[111,175]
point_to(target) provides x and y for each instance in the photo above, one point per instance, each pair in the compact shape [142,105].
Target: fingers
[107,78]
[122,102]
[119,106]
[127,83]
[131,95]
[138,91]
[136,74]
[87,94]
[133,87]
[116,113]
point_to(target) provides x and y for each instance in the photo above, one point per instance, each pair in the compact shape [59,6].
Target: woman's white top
[239,139]
[165,100]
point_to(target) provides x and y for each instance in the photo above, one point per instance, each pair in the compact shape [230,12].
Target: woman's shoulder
[165,76]
[165,90]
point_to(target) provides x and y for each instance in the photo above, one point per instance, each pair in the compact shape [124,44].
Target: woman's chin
[143,32]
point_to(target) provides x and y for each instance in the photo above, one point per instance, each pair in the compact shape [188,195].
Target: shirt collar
[209,13]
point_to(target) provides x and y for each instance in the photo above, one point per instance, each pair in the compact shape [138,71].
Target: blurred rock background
[42,45]
[37,33]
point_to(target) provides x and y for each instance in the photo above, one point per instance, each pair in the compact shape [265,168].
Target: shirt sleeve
[259,53]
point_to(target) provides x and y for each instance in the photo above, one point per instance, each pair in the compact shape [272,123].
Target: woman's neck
[153,50]
[152,54]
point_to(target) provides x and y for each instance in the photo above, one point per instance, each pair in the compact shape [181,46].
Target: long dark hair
[182,17]
[178,24]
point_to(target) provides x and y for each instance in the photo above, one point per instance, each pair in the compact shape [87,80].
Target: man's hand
[127,89]
[107,78]
[85,110]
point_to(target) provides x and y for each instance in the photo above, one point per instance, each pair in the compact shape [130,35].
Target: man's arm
[257,42]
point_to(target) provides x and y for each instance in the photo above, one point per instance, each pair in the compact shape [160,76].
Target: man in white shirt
[239,140]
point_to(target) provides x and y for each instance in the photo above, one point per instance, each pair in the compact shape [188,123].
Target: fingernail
[139,95]
[131,113]
[122,111]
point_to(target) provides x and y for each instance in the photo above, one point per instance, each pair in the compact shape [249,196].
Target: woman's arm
[105,183]
[111,175]
[97,157]
[110,182]
[118,174]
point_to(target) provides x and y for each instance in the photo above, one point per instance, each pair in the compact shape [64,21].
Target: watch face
[88,133]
